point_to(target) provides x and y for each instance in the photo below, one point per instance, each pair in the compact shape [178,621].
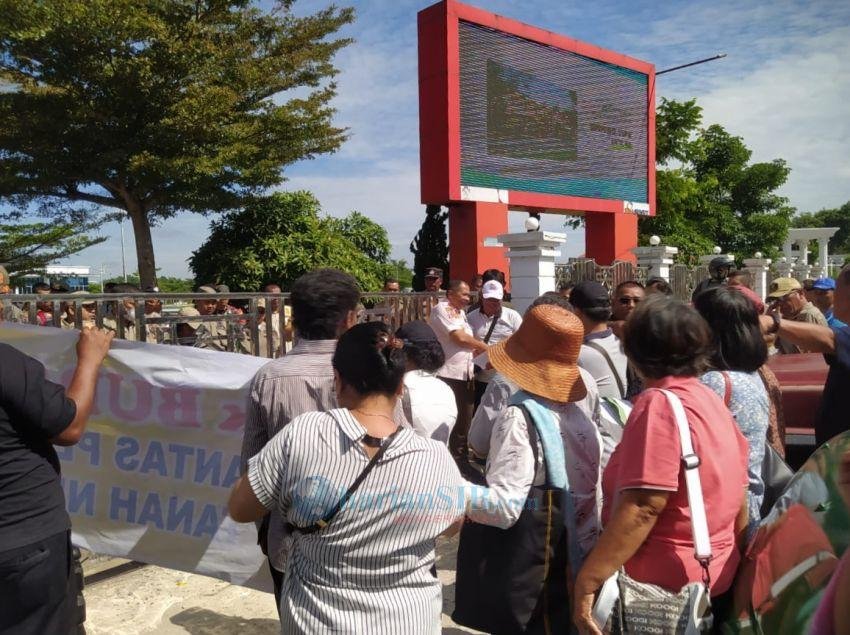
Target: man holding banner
[36,584]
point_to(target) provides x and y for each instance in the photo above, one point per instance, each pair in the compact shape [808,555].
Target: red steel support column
[610,237]
[469,224]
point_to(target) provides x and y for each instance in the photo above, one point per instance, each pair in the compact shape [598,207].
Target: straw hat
[541,357]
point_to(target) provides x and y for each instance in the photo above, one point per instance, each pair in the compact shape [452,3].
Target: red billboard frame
[439,107]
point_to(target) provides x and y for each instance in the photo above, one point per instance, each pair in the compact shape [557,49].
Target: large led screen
[535,118]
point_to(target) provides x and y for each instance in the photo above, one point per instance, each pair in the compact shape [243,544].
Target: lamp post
[676,68]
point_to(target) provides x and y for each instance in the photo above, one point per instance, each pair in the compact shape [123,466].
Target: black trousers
[464,393]
[480,389]
[38,593]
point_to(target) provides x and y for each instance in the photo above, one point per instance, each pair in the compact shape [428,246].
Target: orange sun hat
[542,356]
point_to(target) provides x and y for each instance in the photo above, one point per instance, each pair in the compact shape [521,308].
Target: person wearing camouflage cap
[786,297]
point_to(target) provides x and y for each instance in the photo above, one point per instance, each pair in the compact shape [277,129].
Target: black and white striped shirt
[368,571]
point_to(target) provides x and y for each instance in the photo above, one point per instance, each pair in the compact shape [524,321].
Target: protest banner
[150,478]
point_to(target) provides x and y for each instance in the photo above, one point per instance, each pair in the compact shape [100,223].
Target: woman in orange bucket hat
[543,498]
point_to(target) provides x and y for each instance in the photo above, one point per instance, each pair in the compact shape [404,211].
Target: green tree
[399,270]
[281,236]
[169,284]
[31,247]
[154,107]
[838,217]
[707,191]
[430,247]
[166,284]
[367,235]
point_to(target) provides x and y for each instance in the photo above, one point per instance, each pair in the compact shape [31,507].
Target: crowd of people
[593,435]
[211,322]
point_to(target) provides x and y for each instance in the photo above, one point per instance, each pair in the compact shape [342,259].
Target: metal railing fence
[247,327]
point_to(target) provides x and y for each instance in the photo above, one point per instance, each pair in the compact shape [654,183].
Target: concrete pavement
[151,599]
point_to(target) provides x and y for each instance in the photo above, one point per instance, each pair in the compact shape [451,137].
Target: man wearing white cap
[491,323]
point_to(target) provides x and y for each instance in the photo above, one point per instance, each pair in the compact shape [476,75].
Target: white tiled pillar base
[532,261]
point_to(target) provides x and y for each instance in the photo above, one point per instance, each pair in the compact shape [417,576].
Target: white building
[74,277]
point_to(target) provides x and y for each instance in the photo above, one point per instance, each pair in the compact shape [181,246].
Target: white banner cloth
[149,480]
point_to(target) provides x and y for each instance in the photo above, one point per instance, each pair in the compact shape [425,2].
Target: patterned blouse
[750,407]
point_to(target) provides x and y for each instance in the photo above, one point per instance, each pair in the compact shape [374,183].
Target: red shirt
[649,457]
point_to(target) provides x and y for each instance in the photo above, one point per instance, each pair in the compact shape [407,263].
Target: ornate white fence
[683,278]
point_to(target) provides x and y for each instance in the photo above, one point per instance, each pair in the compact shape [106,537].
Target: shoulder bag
[486,340]
[601,350]
[333,511]
[625,605]
[496,318]
[514,580]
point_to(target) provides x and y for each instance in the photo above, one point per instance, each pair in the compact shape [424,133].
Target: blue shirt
[833,321]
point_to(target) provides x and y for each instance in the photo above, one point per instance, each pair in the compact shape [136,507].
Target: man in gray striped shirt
[323,308]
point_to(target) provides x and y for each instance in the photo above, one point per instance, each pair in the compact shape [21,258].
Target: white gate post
[657,258]
[758,269]
[532,263]
[705,260]
[783,268]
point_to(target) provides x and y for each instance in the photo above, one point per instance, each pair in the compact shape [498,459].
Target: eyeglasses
[89,307]
[629,300]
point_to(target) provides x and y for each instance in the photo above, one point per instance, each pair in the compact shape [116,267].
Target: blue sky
[784,88]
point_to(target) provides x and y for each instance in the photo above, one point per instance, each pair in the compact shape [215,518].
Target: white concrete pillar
[532,263]
[836,262]
[804,252]
[823,252]
[705,260]
[759,269]
[788,250]
[658,259]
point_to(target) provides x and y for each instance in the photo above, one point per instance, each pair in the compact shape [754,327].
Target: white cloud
[795,107]
[785,88]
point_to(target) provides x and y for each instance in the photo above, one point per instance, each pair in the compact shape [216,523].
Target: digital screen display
[539,119]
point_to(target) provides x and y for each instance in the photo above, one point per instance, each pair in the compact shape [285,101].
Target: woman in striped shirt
[367,567]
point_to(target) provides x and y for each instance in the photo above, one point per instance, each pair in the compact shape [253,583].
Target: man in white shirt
[601,353]
[448,319]
[491,323]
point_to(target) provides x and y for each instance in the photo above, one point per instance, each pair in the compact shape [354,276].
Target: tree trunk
[144,243]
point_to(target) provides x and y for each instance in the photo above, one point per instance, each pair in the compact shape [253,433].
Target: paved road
[150,599]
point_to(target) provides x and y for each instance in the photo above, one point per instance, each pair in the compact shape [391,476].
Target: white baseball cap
[492,289]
